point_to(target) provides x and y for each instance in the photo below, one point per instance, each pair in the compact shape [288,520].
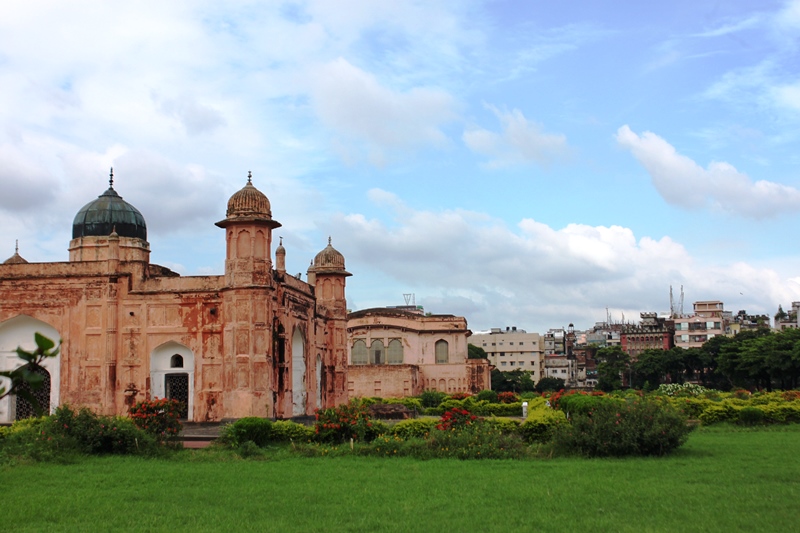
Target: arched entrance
[19,332]
[298,374]
[172,375]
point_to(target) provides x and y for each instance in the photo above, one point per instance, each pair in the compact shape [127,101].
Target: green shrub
[249,450]
[477,441]
[413,429]
[721,412]
[433,411]
[410,402]
[503,425]
[498,409]
[343,422]
[507,397]
[160,417]
[581,404]
[432,398]
[781,413]
[489,396]
[286,431]
[68,433]
[249,429]
[541,423]
[639,427]
[448,404]
[456,419]
[751,416]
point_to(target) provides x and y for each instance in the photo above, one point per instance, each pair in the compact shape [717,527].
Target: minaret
[280,257]
[248,233]
[329,284]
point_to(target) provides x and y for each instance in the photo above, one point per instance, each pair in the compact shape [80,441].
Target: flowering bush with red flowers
[507,397]
[159,417]
[455,419]
[460,395]
[345,422]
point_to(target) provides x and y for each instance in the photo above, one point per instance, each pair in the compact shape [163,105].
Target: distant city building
[513,349]
[651,333]
[742,322]
[398,352]
[784,320]
[708,320]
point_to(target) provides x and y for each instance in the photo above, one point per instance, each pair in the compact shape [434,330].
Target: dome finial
[111,178]
[329,240]
[16,247]
[281,241]
[249,177]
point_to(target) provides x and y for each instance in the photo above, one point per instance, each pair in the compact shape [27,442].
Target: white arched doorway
[298,374]
[172,374]
[19,332]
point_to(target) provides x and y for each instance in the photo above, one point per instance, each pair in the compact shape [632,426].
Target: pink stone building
[254,341]
[396,353]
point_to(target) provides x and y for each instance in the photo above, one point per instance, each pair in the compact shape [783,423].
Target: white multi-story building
[709,320]
[512,349]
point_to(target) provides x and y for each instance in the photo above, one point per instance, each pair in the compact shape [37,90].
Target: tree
[514,381]
[26,378]
[476,352]
[649,367]
[549,384]
[613,363]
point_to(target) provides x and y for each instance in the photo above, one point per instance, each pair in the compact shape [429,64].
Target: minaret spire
[111,178]
[249,178]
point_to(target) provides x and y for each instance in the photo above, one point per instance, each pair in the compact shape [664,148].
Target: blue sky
[519,163]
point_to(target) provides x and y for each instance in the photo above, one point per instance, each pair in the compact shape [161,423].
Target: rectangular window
[512,363]
[511,343]
[502,363]
[684,338]
[502,354]
[522,363]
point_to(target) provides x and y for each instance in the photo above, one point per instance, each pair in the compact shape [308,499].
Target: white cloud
[520,142]
[468,263]
[353,102]
[682,182]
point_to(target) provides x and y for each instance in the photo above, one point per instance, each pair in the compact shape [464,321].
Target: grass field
[724,479]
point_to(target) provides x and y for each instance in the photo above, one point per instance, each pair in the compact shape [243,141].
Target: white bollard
[524,409]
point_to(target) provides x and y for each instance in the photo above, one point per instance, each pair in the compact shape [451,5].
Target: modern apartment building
[512,349]
[708,320]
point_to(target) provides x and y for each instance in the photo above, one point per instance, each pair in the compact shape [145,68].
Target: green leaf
[43,343]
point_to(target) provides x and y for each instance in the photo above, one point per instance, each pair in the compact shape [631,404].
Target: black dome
[109,213]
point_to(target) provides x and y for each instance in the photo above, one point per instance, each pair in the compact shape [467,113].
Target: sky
[519,163]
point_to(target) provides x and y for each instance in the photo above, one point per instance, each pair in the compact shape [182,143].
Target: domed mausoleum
[103,217]
[252,341]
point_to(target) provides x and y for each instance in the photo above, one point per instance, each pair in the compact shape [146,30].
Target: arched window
[394,353]
[442,356]
[358,356]
[176,361]
[376,353]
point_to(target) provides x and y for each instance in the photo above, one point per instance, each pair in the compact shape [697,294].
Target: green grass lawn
[724,479]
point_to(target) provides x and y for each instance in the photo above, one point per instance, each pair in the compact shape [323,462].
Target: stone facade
[252,342]
[397,353]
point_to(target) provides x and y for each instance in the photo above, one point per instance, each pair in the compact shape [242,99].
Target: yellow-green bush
[414,428]
[541,423]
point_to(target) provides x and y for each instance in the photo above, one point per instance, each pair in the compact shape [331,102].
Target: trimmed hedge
[541,423]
